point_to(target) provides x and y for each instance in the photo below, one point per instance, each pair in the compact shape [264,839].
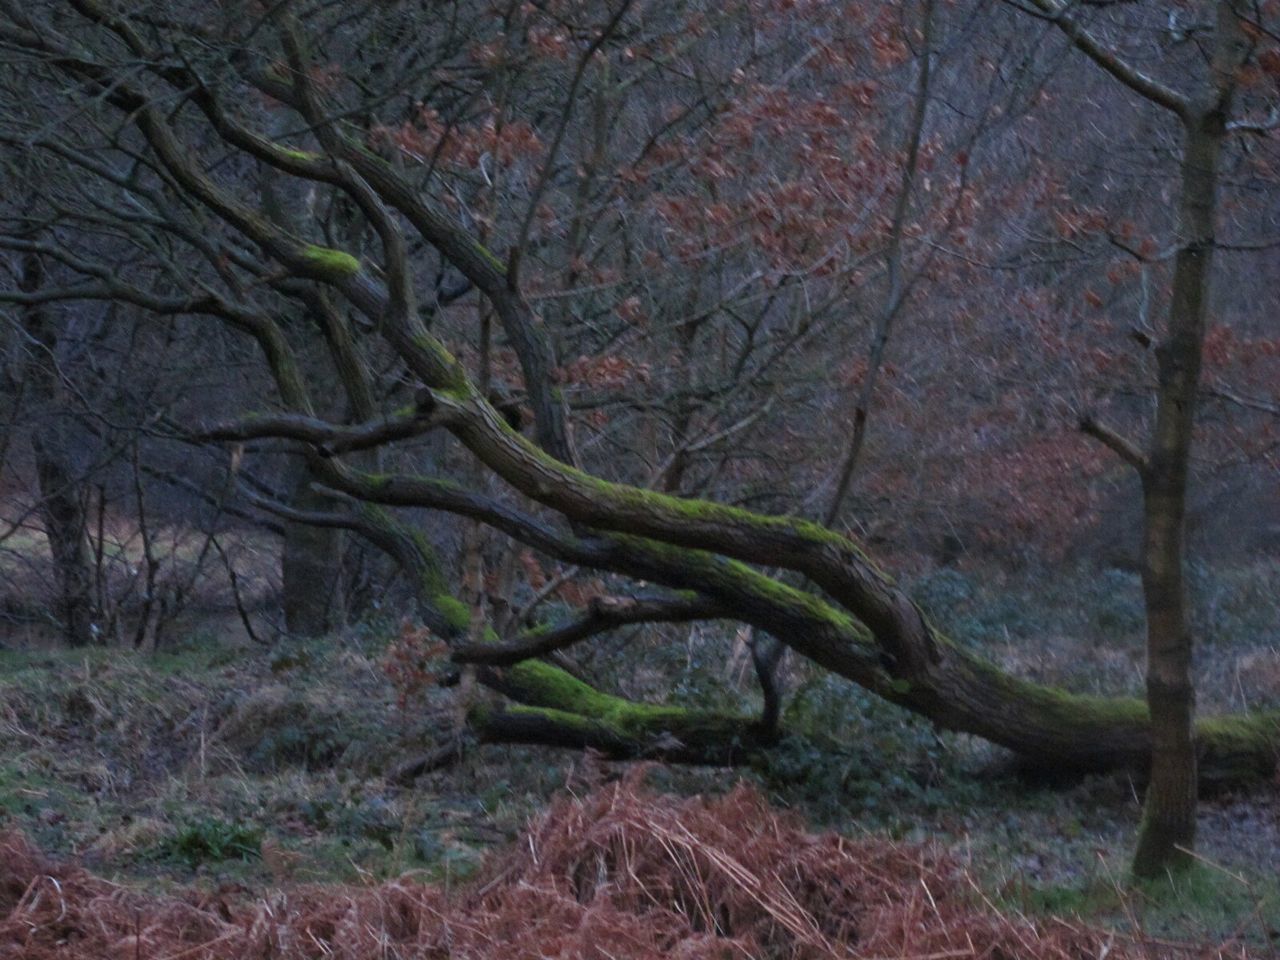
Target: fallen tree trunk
[919,668]
[1045,727]
[856,622]
[1068,732]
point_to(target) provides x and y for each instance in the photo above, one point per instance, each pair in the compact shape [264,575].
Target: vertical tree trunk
[62,500]
[62,510]
[1168,827]
[311,568]
[1169,817]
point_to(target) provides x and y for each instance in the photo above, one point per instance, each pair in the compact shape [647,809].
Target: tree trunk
[1169,816]
[62,499]
[311,567]
[889,648]
[856,622]
[62,510]
[1168,830]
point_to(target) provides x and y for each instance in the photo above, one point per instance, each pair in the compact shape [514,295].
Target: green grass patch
[1207,900]
[1202,904]
[211,841]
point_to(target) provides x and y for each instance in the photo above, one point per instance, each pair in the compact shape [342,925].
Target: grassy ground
[227,762]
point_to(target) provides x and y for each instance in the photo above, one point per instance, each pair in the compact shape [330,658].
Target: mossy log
[701,739]
[553,708]
[1056,731]
[855,621]
[1045,726]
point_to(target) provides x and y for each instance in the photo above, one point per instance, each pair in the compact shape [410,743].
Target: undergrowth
[609,871]
[191,763]
[211,841]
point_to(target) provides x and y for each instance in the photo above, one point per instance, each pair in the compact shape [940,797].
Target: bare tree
[1205,115]
[169,112]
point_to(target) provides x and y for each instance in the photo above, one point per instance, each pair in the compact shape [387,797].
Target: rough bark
[1168,831]
[938,679]
[311,567]
[550,706]
[63,500]
[62,510]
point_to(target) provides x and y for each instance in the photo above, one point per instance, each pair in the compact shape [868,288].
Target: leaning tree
[359,189]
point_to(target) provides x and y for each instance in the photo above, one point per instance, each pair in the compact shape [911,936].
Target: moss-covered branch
[556,709]
[956,689]
[857,622]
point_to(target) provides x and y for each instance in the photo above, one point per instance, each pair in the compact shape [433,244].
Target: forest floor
[223,765]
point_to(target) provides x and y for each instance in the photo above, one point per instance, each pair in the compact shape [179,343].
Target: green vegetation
[542,685]
[211,841]
[107,754]
[293,154]
[329,263]
[453,610]
[1213,898]
[490,257]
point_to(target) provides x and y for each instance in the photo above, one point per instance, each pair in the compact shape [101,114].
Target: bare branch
[1059,13]
[553,151]
[330,439]
[603,614]
[896,294]
[1258,127]
[1118,444]
[1239,400]
[476,262]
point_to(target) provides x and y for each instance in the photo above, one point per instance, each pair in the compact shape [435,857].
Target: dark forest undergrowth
[615,871]
[240,792]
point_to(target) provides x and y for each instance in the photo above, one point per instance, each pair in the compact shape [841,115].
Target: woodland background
[283,287]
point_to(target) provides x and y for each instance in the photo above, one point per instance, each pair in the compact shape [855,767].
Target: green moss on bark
[1237,749]
[490,257]
[538,684]
[452,378]
[1054,704]
[330,264]
[453,610]
[1248,732]
[303,155]
[640,502]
